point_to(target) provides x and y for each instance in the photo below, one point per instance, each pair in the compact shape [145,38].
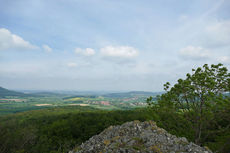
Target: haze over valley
[86,76]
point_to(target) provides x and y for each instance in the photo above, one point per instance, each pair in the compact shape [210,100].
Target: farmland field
[114,101]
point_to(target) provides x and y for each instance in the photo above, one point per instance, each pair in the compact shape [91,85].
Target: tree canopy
[202,97]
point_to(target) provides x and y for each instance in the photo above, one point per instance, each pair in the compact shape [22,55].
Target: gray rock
[134,137]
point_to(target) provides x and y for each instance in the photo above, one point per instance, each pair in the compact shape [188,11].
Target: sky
[109,45]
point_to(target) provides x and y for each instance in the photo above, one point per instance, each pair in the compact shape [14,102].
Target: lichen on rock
[138,137]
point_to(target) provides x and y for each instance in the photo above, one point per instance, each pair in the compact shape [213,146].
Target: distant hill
[132,94]
[48,94]
[5,92]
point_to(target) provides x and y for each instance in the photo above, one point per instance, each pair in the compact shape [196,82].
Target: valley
[34,101]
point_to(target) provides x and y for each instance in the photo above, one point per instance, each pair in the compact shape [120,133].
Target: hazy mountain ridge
[5,92]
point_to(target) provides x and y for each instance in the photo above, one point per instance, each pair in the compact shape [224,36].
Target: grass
[35,103]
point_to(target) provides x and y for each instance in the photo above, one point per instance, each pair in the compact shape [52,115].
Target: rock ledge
[136,136]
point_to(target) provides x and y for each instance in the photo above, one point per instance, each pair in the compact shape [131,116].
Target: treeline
[58,129]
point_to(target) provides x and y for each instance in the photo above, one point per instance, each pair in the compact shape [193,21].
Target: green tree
[197,96]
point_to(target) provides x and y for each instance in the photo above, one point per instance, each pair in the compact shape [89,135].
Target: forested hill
[5,92]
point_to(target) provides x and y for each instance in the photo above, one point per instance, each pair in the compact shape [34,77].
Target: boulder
[138,137]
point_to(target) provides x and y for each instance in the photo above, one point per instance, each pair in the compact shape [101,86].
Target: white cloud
[194,53]
[218,34]
[119,51]
[12,41]
[224,59]
[85,52]
[89,52]
[72,64]
[47,48]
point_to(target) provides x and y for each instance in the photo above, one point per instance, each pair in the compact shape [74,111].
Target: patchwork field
[114,101]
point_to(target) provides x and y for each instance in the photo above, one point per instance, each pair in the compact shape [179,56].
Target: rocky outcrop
[134,137]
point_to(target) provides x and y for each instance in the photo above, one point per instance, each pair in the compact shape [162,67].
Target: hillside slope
[5,92]
[138,136]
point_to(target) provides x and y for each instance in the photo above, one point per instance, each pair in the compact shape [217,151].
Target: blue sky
[109,45]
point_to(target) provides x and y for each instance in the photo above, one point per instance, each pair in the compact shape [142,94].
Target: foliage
[58,129]
[201,102]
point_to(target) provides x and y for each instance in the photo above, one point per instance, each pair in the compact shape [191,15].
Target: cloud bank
[9,41]
[119,51]
[85,52]
[194,53]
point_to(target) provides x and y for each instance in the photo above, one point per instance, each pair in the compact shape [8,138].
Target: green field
[14,104]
